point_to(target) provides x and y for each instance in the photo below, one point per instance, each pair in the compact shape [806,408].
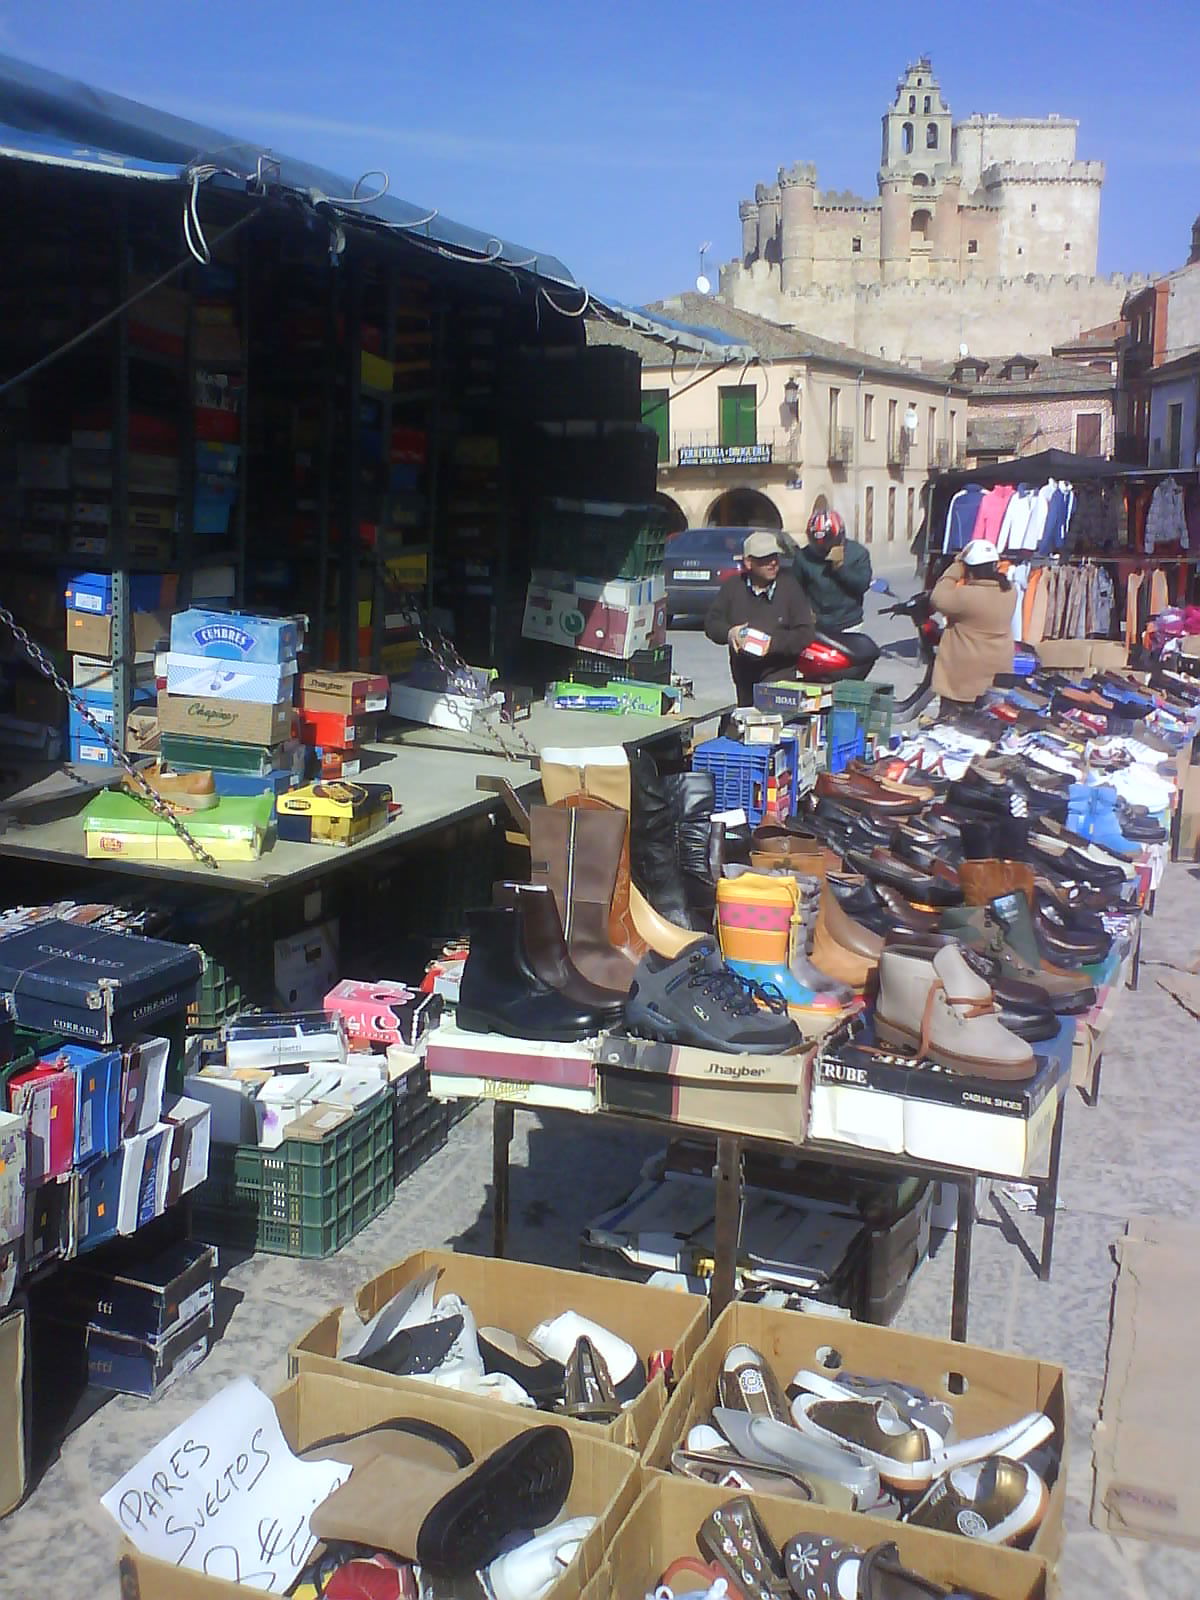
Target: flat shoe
[747,1383]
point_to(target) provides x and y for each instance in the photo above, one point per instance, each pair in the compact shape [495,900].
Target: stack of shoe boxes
[597,588]
[337,717]
[89,602]
[228,704]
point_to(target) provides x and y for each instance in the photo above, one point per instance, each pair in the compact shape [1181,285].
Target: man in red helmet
[834,572]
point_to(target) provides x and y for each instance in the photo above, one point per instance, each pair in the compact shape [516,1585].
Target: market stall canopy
[1039,468]
[57,121]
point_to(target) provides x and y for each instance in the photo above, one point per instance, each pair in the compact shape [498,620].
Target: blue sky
[620,137]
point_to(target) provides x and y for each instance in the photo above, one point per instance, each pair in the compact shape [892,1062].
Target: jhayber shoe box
[94,984]
[235,636]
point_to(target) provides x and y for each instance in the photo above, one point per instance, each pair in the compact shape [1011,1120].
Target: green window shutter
[656,411]
[739,415]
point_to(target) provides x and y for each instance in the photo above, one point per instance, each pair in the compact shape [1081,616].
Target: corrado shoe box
[92,984]
[877,1100]
[996,1390]
[763,1096]
[517,1296]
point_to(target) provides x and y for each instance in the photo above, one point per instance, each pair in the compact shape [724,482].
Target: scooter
[850,657]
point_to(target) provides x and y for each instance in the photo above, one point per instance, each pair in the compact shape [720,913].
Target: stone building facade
[982,232]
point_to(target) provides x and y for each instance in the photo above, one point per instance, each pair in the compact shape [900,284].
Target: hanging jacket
[1014,530]
[978,641]
[1054,534]
[990,517]
[960,518]
[1165,521]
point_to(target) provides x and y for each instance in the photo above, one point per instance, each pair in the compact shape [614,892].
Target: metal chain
[444,654]
[155,801]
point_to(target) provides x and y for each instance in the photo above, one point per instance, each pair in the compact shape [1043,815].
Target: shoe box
[984,1388]
[517,1296]
[606,1480]
[765,1097]
[526,1072]
[670,1512]
[886,1103]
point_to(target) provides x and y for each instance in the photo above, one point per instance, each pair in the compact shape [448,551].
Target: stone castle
[984,234]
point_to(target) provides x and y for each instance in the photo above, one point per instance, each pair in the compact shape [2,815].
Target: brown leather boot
[986,880]
[577,850]
[842,947]
[622,931]
[546,947]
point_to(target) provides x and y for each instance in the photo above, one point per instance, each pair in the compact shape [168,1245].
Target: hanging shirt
[1165,521]
[992,507]
[1014,529]
[960,518]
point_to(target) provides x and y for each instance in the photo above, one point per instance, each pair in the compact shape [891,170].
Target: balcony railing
[841,446]
[899,448]
[705,447]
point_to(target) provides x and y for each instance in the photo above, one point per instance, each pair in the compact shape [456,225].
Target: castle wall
[1050,216]
[980,142]
[913,321]
[1183,312]
[835,260]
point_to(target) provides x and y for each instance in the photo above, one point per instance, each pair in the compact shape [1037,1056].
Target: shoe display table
[728,1182]
[432,773]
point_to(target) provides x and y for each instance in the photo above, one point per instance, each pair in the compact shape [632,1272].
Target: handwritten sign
[224,1495]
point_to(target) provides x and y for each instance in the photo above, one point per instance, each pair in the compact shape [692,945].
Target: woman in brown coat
[977,602]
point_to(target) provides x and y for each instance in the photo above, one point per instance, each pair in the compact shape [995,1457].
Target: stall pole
[502,1133]
[728,1177]
[962,1258]
[1047,1193]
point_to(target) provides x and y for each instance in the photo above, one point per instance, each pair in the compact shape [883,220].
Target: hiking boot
[940,1008]
[696,1000]
[979,928]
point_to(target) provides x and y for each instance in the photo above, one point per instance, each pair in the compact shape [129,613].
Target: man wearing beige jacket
[977,602]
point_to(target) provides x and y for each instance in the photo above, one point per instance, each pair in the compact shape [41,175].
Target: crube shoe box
[764,1096]
[92,592]
[143,1079]
[664,1523]
[605,1478]
[235,636]
[190,1122]
[383,1013]
[346,694]
[999,1389]
[258,683]
[279,1039]
[882,1101]
[517,1296]
[242,721]
[453,1052]
[91,635]
[92,984]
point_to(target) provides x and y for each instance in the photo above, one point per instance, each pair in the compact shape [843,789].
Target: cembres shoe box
[236,636]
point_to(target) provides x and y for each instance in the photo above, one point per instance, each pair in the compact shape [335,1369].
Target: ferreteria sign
[724,455]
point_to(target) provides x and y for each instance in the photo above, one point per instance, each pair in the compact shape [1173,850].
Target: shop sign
[725,455]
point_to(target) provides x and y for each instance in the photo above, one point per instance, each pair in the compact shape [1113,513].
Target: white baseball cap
[980,553]
[760,545]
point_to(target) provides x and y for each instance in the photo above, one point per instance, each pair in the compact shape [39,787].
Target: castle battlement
[1043,172]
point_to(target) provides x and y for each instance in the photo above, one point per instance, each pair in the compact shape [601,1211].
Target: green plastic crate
[301,1199]
[601,540]
[872,703]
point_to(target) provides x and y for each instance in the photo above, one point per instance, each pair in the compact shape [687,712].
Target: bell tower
[916,126]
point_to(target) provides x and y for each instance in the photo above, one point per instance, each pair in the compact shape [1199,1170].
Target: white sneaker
[531,1570]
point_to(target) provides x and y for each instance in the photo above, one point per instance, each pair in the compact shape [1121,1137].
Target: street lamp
[791,394]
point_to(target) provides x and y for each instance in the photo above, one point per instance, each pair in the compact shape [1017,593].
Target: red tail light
[727,572]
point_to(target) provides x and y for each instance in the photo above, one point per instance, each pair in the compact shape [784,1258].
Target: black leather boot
[669,842]
[500,992]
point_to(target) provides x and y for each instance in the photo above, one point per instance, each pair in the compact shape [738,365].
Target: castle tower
[748,214]
[947,228]
[894,230]
[768,221]
[917,126]
[797,233]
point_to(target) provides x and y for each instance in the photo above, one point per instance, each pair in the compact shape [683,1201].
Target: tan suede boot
[940,1008]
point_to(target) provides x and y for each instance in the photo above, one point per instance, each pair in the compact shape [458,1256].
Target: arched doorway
[676,516]
[743,508]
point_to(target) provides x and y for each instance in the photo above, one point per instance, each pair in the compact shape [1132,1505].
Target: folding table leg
[962,1259]
[728,1179]
[502,1132]
[1047,1195]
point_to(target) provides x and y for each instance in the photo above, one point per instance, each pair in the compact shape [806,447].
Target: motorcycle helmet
[825,528]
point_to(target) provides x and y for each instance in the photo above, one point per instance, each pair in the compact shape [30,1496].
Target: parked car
[697,563]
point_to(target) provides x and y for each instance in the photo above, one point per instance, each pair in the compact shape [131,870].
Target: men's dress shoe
[697,1000]
[1062,861]
[1069,993]
[901,913]
[920,851]
[857,790]
[500,993]
[938,887]
[415,1352]
[986,880]
[1070,947]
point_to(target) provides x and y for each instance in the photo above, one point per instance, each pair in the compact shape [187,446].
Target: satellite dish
[703,284]
[964,350]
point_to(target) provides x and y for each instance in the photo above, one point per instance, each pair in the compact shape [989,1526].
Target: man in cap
[762,615]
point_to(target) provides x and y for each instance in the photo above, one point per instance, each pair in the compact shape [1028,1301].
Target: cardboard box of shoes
[222,1507]
[675,1524]
[517,1299]
[782,1396]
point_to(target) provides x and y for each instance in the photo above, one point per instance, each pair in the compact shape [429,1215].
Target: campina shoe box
[996,1389]
[516,1296]
[667,1517]
[605,1480]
